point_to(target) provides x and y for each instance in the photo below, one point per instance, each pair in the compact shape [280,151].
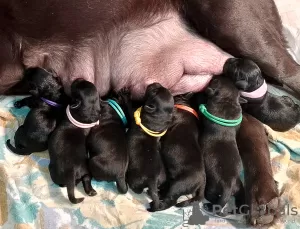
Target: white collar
[79,124]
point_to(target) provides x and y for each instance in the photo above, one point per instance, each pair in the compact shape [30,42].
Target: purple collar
[51,103]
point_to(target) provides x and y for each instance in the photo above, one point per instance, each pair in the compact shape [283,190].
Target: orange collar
[186,108]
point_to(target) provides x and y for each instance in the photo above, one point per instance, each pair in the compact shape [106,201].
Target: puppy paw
[91,192]
[138,190]
[155,207]
[76,200]
[18,104]
[208,207]
[122,186]
[215,210]
[162,205]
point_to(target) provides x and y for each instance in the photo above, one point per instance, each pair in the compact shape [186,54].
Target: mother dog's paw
[264,214]
[264,204]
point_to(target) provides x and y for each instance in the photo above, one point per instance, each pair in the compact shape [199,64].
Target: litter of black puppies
[164,146]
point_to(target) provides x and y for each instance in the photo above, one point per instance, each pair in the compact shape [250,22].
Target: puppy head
[281,113]
[85,103]
[221,89]
[158,108]
[43,83]
[245,74]
[184,99]
[122,97]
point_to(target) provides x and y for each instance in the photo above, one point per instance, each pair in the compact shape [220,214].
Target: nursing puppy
[145,167]
[279,112]
[263,201]
[182,156]
[221,121]
[67,144]
[46,103]
[107,142]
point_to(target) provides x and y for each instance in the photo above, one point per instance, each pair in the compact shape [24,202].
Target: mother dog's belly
[164,51]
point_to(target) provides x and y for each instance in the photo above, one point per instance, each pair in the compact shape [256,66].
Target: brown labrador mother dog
[132,43]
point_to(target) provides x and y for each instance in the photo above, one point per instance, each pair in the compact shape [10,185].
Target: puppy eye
[75,104]
[149,108]
[32,85]
[288,101]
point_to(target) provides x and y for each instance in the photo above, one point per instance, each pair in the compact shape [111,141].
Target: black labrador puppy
[281,113]
[222,116]
[182,156]
[145,169]
[67,145]
[107,142]
[47,109]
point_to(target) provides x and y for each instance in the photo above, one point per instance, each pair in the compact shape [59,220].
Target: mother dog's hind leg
[261,194]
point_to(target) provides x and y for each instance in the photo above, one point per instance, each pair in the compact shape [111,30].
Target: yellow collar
[138,121]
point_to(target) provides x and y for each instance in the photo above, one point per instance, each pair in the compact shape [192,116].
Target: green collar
[220,121]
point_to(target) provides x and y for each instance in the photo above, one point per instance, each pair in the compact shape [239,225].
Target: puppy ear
[58,79]
[34,90]
[123,96]
[189,95]
[75,104]
[242,100]
[102,102]
[230,66]
[210,91]
[212,87]
[53,72]
[241,84]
